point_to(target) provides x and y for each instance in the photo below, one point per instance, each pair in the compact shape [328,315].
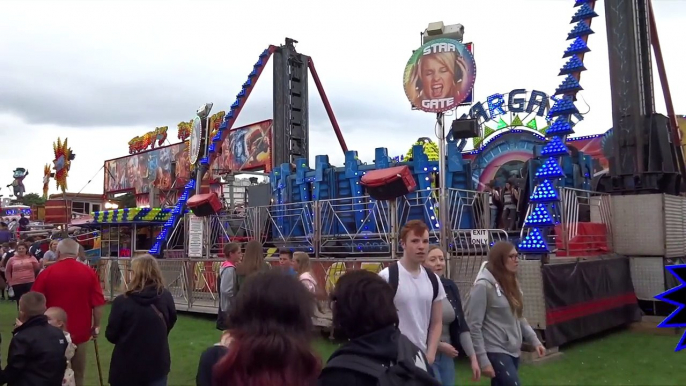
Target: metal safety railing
[586,223]
[194,285]
[345,227]
[583,224]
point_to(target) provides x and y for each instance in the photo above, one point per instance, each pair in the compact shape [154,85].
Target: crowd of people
[504,205]
[402,326]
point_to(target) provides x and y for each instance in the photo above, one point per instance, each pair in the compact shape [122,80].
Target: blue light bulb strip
[555,148]
[539,217]
[577,47]
[563,106]
[534,243]
[581,29]
[238,104]
[550,170]
[568,86]
[544,192]
[545,197]
[585,12]
[573,65]
[560,127]
[224,128]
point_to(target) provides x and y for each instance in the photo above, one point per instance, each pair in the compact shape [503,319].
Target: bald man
[75,288]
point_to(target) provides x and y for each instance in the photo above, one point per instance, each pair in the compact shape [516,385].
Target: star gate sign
[439,75]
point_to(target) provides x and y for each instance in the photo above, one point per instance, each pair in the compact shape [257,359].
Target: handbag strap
[157,311]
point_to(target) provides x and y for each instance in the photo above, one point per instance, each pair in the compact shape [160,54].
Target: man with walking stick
[75,288]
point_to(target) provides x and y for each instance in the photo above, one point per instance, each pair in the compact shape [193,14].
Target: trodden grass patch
[617,358]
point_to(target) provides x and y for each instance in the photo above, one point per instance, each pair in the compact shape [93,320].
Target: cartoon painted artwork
[149,139]
[46,180]
[244,148]
[163,174]
[62,162]
[18,183]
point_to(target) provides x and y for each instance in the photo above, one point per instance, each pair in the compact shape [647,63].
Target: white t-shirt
[413,301]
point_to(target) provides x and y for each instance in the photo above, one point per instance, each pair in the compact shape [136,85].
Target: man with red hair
[418,291]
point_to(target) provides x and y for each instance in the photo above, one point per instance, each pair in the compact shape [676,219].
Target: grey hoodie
[227,286]
[493,325]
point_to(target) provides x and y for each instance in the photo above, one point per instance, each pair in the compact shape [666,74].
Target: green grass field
[619,358]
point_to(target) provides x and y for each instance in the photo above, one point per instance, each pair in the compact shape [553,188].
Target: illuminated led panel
[540,217]
[544,192]
[550,170]
[533,243]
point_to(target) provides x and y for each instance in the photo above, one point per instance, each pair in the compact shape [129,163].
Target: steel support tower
[645,157]
[290,134]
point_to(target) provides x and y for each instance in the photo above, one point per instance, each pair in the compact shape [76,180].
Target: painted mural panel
[140,172]
[244,148]
[247,148]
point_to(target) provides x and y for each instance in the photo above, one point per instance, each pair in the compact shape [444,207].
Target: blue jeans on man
[444,369]
[494,217]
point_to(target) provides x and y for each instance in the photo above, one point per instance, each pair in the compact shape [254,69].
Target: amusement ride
[582,267]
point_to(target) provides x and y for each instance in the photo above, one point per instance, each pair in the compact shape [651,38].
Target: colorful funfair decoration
[215,121]
[185,128]
[149,139]
[47,174]
[544,212]
[62,163]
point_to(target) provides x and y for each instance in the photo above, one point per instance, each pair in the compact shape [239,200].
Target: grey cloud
[79,100]
[78,103]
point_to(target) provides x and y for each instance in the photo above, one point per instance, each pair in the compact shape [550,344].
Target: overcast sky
[102,72]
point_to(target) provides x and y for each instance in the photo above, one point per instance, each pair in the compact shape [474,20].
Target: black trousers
[19,290]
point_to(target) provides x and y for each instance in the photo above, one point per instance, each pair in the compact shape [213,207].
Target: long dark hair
[507,280]
[271,327]
[253,259]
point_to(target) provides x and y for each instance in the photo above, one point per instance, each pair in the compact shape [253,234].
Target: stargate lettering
[439,47]
[438,103]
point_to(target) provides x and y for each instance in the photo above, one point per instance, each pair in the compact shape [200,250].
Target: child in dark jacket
[209,358]
[36,352]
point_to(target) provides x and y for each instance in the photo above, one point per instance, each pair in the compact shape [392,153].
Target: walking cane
[97,360]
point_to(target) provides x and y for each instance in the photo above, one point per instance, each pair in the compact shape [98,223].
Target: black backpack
[404,371]
[394,276]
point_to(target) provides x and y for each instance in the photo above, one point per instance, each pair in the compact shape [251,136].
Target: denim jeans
[505,367]
[444,369]
[159,382]
[494,218]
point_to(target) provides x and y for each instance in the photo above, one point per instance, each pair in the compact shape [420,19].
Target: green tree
[31,199]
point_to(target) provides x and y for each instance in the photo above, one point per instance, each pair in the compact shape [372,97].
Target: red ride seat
[204,204]
[390,183]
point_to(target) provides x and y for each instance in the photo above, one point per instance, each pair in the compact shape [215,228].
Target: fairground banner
[245,148]
[153,168]
[587,297]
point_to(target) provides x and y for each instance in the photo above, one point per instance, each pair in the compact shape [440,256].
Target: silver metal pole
[393,219]
[198,178]
[443,215]
[201,169]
